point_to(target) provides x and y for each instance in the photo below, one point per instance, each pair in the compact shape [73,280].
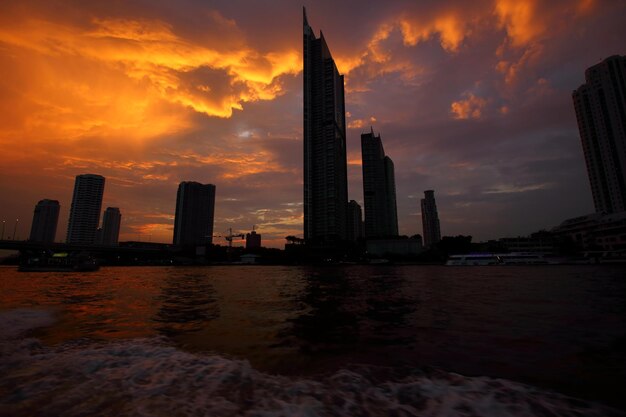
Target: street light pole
[15,228]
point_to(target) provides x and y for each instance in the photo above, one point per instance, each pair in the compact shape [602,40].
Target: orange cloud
[450,28]
[361,123]
[528,25]
[527,21]
[233,164]
[471,107]
[520,20]
[124,78]
[150,232]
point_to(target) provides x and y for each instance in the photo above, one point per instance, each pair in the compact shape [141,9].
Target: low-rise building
[604,232]
[384,247]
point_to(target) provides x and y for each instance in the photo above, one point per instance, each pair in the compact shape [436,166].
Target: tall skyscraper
[111,226]
[85,209]
[354,230]
[325,167]
[45,220]
[600,106]
[195,210]
[379,188]
[430,219]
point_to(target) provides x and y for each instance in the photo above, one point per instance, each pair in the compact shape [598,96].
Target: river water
[354,340]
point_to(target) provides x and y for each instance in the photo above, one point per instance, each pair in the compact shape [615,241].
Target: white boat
[523,258]
[477,259]
[513,258]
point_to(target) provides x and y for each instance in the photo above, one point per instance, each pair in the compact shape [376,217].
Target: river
[353,340]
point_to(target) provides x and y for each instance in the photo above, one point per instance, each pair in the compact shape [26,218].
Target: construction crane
[230,236]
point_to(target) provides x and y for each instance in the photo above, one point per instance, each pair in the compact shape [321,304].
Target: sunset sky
[472,99]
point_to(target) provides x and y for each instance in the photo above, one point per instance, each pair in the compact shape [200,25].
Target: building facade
[430,219]
[379,189]
[387,247]
[111,222]
[596,232]
[45,221]
[85,209]
[325,166]
[600,106]
[253,240]
[354,229]
[195,211]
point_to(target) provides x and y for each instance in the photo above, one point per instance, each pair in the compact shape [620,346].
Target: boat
[473,259]
[59,262]
[513,258]
[523,258]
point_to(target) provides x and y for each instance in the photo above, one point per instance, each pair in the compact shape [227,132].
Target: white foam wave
[148,377]
[14,323]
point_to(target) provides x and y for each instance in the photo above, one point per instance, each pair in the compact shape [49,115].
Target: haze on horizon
[471,100]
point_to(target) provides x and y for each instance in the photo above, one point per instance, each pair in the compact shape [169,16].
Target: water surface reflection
[186,304]
[561,327]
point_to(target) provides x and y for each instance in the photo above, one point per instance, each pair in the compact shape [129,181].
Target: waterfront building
[600,106]
[397,246]
[111,226]
[253,240]
[195,210]
[354,229]
[325,166]
[45,221]
[379,188]
[85,209]
[596,232]
[430,219]
[544,242]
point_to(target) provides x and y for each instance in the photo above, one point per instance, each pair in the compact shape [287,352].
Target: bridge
[127,247]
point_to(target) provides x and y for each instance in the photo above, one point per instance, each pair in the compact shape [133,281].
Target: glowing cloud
[471,107]
[520,20]
[450,29]
[125,78]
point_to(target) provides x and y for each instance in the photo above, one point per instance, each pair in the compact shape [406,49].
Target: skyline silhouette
[474,102]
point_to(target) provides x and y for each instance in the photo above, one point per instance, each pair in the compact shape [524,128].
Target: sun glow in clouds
[128,78]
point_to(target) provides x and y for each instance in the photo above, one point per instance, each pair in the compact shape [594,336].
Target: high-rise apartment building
[354,229]
[85,209]
[430,219]
[253,240]
[325,167]
[379,188]
[600,106]
[111,221]
[195,210]
[45,220]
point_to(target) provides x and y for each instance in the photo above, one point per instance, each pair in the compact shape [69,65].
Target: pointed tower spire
[305,23]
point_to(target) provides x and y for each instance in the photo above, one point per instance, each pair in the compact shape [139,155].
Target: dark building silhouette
[325,167]
[430,219]
[379,188]
[111,221]
[85,209]
[253,240]
[45,220]
[195,209]
[600,106]
[354,229]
